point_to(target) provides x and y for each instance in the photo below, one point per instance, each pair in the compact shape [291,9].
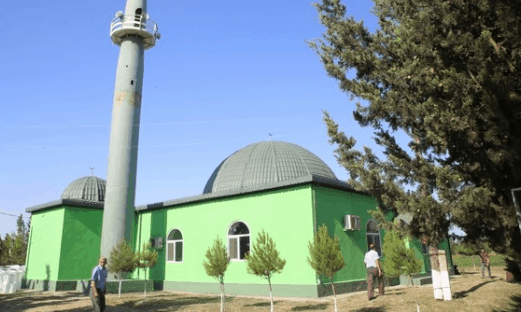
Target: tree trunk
[271,294]
[334,294]
[439,272]
[222,297]
[145,282]
[119,290]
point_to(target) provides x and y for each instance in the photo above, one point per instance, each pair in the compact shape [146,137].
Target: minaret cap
[136,24]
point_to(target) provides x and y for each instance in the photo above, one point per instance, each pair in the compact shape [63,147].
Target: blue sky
[223,75]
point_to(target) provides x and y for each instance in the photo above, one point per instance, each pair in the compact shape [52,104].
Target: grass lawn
[471,261]
[470,293]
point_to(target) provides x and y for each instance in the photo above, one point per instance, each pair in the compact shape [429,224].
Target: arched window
[238,241]
[174,246]
[373,236]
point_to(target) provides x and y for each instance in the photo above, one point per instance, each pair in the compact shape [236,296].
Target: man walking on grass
[374,271]
[485,263]
[97,282]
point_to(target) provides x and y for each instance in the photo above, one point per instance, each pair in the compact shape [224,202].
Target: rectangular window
[245,245]
[232,245]
[425,250]
[178,251]
[170,249]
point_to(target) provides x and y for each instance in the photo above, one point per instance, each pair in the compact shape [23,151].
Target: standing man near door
[374,271]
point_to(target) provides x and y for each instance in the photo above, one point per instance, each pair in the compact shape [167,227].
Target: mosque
[278,187]
[275,186]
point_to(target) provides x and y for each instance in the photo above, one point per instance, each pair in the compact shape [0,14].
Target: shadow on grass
[22,300]
[151,304]
[463,294]
[371,309]
[262,304]
[515,304]
[311,307]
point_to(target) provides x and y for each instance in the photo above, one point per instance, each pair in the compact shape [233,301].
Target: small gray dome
[266,162]
[87,188]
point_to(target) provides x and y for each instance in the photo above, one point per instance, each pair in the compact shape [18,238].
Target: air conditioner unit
[352,222]
[157,242]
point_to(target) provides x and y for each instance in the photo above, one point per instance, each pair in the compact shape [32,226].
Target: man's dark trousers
[372,274]
[99,301]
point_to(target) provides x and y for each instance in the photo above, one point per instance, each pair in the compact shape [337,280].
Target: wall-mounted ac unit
[352,222]
[157,242]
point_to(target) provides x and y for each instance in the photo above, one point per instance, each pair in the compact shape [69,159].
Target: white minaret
[134,32]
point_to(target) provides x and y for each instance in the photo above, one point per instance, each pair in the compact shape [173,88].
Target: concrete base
[231,289]
[83,286]
[309,291]
[417,279]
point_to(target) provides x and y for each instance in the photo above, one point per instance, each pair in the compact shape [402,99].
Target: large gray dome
[265,162]
[86,188]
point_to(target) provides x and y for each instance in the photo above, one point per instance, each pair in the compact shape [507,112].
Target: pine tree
[217,264]
[146,259]
[264,260]
[325,256]
[446,73]
[122,259]
[399,259]
[8,250]
[2,250]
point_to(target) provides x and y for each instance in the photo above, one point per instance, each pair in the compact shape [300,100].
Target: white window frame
[238,236]
[367,234]
[173,242]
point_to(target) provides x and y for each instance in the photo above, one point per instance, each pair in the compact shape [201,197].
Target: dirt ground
[470,292]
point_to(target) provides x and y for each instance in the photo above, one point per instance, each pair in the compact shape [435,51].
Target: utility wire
[142,146]
[8,214]
[158,124]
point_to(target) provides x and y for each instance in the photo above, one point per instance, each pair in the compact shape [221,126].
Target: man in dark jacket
[485,263]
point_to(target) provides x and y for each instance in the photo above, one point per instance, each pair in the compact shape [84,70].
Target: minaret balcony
[134,25]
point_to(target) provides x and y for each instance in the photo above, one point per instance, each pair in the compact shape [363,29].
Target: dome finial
[271,136]
[91,170]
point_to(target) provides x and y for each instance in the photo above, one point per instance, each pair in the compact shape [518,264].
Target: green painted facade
[64,244]
[283,213]
[43,259]
[65,241]
[331,205]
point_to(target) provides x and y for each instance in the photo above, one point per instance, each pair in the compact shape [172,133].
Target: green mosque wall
[331,207]
[80,248]
[285,214]
[64,243]
[43,259]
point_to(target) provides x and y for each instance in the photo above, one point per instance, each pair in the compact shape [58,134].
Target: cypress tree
[217,264]
[122,259]
[146,259]
[325,256]
[264,260]
[446,74]
[399,259]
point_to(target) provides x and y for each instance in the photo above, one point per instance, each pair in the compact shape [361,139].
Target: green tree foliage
[13,249]
[469,249]
[398,258]
[7,250]
[122,259]
[264,260]
[446,73]
[146,259]
[325,256]
[216,264]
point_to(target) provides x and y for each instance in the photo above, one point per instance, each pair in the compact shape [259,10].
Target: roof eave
[312,179]
[62,202]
